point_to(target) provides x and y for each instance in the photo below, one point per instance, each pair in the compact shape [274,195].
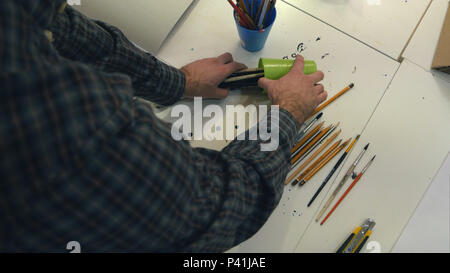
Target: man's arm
[103,46]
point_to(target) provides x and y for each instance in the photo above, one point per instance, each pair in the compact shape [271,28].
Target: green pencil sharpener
[277,68]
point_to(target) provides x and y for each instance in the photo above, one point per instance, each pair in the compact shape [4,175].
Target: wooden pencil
[323,163]
[248,71]
[317,162]
[244,77]
[325,104]
[313,156]
[311,143]
[307,137]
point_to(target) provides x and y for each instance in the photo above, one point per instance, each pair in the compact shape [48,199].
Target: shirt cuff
[172,84]
[289,127]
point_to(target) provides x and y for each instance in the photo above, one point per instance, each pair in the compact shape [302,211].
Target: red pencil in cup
[242,17]
[348,189]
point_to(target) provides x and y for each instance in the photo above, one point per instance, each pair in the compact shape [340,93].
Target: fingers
[264,83]
[319,88]
[232,67]
[299,64]
[225,58]
[218,93]
[322,96]
[317,76]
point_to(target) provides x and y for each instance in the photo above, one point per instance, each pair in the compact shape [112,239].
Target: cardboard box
[441,59]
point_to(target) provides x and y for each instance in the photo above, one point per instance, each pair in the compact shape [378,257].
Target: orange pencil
[241,14]
[310,144]
[313,156]
[307,137]
[321,165]
[317,162]
[325,104]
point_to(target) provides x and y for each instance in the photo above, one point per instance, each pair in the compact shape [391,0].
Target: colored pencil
[336,166]
[241,14]
[348,190]
[325,104]
[313,156]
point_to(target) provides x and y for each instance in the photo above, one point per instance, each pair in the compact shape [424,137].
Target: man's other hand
[204,76]
[296,92]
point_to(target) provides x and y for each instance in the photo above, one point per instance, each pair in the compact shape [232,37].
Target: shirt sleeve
[105,47]
[107,173]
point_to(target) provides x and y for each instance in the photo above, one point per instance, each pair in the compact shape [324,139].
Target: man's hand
[204,76]
[296,92]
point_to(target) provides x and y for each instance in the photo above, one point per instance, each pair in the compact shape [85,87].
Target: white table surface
[410,133]
[385,25]
[348,61]
[428,229]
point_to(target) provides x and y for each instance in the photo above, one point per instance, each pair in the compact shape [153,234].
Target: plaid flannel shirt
[83,160]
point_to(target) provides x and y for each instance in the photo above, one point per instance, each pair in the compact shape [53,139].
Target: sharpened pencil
[333,127]
[313,156]
[310,144]
[307,137]
[323,163]
[302,177]
[325,104]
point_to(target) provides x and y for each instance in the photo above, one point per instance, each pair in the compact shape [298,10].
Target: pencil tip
[319,115]
[357,137]
[373,157]
[367,146]
[351,85]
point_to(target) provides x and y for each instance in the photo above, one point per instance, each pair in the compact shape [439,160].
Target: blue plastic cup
[254,40]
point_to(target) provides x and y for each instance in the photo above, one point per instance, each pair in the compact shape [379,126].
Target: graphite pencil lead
[351,85]
[367,146]
[319,115]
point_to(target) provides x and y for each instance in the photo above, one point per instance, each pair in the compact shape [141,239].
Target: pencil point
[351,85]
[373,157]
[367,146]
[302,183]
[319,115]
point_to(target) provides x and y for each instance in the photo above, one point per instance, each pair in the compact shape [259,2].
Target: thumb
[299,64]
[265,83]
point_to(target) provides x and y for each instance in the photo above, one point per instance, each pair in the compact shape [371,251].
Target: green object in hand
[277,68]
